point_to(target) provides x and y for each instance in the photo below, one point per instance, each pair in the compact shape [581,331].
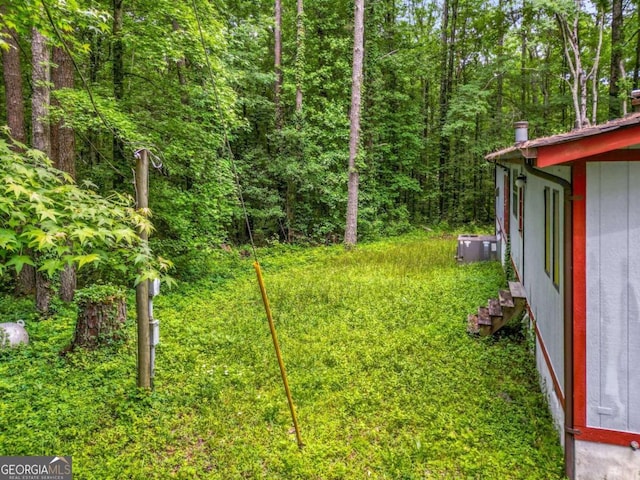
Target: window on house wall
[505,211]
[514,194]
[556,238]
[548,228]
[552,234]
[521,210]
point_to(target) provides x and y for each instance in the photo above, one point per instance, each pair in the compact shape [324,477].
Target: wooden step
[485,325]
[472,325]
[483,316]
[506,300]
[495,309]
[513,302]
[517,290]
[500,311]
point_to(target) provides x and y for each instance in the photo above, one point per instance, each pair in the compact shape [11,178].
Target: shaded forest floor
[386,381]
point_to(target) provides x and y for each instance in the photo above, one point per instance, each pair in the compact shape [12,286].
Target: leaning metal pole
[276,345]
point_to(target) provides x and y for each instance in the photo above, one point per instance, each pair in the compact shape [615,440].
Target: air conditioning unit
[477,248]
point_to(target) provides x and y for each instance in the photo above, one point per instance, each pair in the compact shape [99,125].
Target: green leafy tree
[49,222]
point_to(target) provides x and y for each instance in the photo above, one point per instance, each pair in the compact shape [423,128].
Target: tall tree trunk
[40,62]
[62,135]
[94,68]
[570,29]
[636,67]
[502,29]
[425,178]
[447,38]
[616,58]
[180,66]
[63,149]
[299,55]
[624,99]
[595,70]
[351,230]
[12,73]
[443,152]
[13,86]
[290,193]
[578,83]
[118,71]
[523,59]
[278,64]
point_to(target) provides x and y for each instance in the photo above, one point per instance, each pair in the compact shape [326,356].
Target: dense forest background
[216,87]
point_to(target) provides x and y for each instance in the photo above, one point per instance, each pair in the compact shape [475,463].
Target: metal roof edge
[529,148]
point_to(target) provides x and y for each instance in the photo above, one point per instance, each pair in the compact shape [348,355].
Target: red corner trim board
[584,433]
[579,293]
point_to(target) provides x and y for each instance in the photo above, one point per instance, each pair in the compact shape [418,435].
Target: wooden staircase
[499,311]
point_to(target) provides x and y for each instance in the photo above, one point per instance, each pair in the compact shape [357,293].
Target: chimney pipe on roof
[522,132]
[635,101]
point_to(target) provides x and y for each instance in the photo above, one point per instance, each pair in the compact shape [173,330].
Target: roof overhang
[616,140]
[616,144]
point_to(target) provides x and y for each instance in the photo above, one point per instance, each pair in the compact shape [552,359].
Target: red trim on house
[556,384]
[579,181]
[521,211]
[589,434]
[587,147]
[601,435]
[627,155]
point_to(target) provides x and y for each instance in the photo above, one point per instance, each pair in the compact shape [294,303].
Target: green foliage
[76,107]
[14,309]
[507,261]
[99,293]
[386,381]
[48,222]
[434,103]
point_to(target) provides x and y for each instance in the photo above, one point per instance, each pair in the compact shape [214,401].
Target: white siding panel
[500,172]
[633,347]
[593,291]
[500,221]
[545,299]
[613,292]
[613,279]
[516,237]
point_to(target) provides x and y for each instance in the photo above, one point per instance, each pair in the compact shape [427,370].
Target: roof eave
[516,152]
[579,144]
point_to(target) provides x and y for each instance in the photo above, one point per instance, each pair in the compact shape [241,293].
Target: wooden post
[142,289]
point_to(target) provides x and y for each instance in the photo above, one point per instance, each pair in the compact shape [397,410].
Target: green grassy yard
[386,381]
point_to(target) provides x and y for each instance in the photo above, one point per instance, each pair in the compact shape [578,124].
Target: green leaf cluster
[48,221]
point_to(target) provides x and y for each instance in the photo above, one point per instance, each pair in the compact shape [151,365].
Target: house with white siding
[568,215]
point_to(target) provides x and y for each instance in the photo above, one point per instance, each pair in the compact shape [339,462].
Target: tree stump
[102,311]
